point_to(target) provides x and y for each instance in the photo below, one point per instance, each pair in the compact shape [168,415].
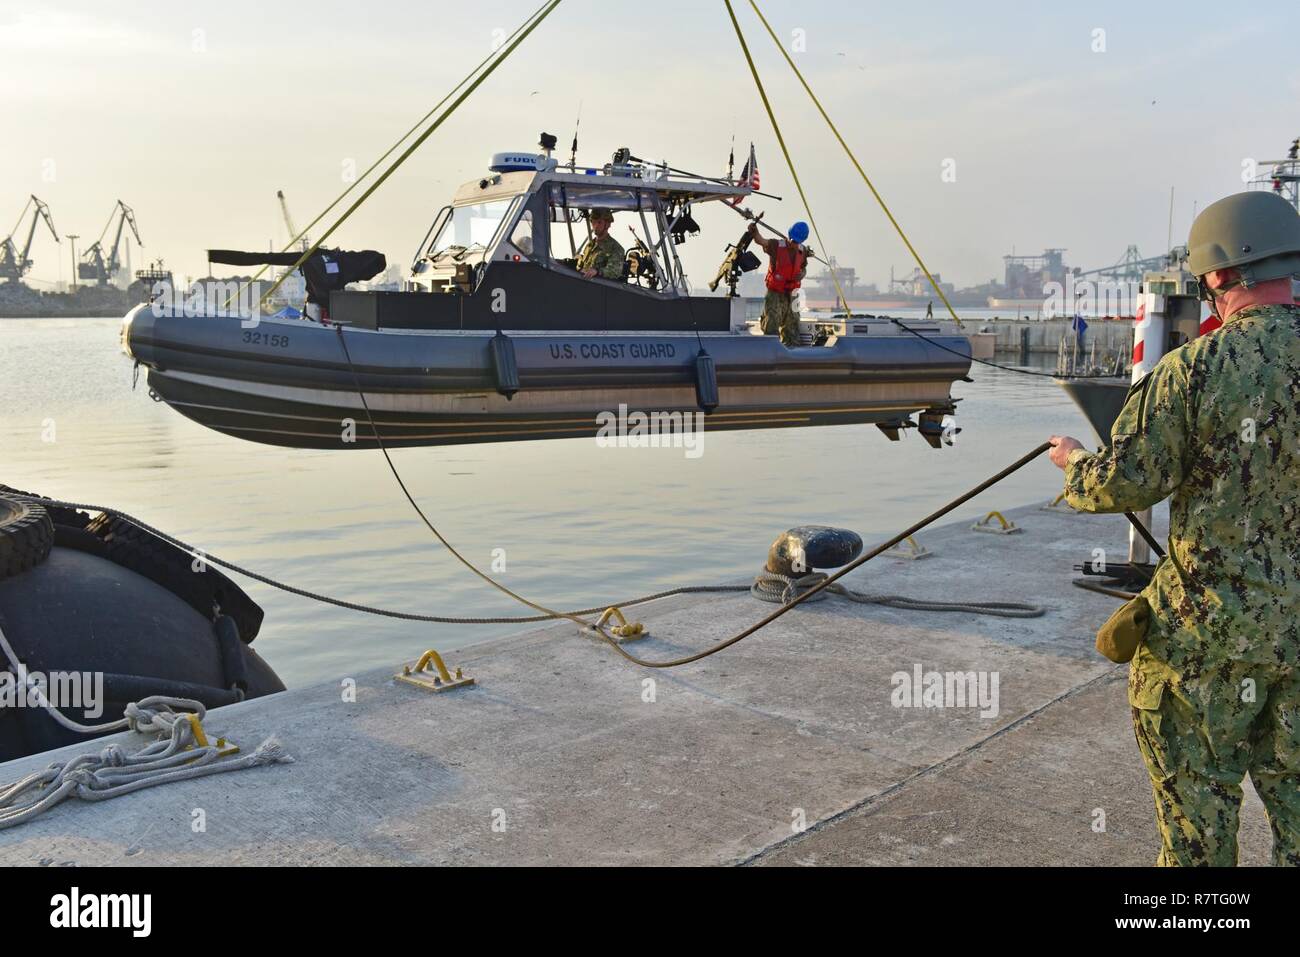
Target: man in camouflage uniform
[788,263]
[601,255]
[1215,685]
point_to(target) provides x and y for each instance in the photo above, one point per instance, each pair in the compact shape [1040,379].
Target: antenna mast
[573,150]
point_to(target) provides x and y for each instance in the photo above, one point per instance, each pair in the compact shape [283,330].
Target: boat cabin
[501,255]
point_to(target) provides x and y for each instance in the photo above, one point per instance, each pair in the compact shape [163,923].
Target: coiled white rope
[178,755]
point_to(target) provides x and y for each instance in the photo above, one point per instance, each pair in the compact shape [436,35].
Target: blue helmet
[798,232]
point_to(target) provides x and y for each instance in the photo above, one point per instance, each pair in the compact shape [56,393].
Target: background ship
[1099,385]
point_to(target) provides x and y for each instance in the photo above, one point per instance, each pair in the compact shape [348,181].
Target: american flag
[748,174]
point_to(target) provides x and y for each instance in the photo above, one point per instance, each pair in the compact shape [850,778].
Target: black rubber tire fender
[26,536]
[65,536]
[70,517]
[173,568]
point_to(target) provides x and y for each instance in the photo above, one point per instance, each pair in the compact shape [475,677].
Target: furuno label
[613,350]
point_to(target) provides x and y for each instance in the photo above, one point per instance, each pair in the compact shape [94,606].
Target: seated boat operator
[601,255]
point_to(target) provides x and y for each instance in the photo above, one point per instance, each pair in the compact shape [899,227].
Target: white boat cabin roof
[585,182]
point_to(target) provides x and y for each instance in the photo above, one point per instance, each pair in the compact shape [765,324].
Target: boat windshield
[470,227]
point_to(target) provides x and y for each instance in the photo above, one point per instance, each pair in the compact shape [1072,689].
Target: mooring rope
[782,589]
[181,753]
[767,586]
[35,692]
[807,591]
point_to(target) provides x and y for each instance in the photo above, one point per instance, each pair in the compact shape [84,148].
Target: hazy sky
[196,113]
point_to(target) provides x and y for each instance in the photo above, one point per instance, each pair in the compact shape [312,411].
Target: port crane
[94,265]
[14,262]
[303,244]
[1130,267]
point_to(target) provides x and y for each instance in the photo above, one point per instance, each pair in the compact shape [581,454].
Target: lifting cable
[866,179]
[781,140]
[879,199]
[387,153]
[790,163]
[547,10]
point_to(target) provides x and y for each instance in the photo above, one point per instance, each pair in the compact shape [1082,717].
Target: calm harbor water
[580,525]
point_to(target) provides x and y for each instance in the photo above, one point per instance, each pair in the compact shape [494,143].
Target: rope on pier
[767,586]
[181,752]
[112,772]
[808,589]
[782,589]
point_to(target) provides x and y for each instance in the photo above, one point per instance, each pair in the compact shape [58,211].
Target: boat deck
[557,747]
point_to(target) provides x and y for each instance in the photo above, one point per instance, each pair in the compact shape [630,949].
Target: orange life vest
[784,268]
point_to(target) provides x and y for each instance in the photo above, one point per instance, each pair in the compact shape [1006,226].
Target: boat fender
[807,547]
[706,382]
[186,576]
[65,536]
[59,516]
[232,653]
[26,536]
[505,367]
[124,688]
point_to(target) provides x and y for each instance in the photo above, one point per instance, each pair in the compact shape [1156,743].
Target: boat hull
[290,382]
[1100,399]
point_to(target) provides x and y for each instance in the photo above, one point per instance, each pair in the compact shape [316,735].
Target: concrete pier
[792,747]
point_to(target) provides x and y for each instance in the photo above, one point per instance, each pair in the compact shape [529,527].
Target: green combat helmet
[1256,233]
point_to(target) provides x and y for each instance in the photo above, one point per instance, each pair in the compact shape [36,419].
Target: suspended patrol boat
[498,338]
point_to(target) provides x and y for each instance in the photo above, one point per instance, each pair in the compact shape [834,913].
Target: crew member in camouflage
[1215,685]
[780,315]
[601,255]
